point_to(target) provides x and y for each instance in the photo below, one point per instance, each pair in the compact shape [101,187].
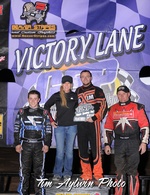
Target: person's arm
[108,133]
[144,128]
[144,135]
[101,105]
[17,127]
[50,102]
[48,132]
[144,141]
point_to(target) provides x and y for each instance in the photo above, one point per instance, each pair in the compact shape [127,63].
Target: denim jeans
[65,137]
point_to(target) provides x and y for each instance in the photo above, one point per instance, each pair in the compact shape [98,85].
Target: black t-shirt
[64,115]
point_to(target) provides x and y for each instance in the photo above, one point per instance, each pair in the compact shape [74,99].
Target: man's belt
[125,137]
[32,140]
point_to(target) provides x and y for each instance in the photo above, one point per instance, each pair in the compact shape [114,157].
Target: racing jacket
[32,125]
[95,96]
[127,120]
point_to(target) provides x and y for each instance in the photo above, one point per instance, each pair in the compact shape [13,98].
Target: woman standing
[65,128]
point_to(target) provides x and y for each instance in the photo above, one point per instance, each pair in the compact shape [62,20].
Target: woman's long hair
[63,97]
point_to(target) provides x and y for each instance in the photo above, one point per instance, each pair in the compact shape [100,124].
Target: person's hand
[142,148]
[54,124]
[45,149]
[18,148]
[90,120]
[107,150]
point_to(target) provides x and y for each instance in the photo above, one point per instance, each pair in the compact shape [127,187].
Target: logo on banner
[34,16]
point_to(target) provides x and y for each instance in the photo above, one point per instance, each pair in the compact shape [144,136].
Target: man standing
[32,134]
[88,132]
[126,119]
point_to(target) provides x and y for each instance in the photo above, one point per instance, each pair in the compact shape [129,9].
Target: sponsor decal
[36,26]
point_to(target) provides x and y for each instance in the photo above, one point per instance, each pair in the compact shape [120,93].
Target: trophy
[83,112]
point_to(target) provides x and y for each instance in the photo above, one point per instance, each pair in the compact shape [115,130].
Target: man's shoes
[98,177]
[97,180]
[86,177]
[56,178]
[66,177]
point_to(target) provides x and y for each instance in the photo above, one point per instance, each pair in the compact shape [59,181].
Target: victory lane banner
[46,43]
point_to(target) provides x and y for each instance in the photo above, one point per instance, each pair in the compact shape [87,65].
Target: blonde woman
[64,127]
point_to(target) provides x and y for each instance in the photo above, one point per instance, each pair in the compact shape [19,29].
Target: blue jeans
[65,137]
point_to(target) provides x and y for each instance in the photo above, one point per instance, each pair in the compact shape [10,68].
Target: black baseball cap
[67,78]
[123,88]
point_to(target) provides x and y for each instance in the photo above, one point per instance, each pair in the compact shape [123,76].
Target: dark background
[4,27]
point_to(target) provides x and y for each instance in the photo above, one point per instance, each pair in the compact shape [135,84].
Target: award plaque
[83,112]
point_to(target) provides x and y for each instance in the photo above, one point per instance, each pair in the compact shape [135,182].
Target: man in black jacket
[89,130]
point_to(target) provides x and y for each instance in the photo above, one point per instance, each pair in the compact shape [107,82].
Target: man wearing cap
[64,127]
[126,120]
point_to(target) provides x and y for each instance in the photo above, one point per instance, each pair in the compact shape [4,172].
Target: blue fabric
[64,136]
